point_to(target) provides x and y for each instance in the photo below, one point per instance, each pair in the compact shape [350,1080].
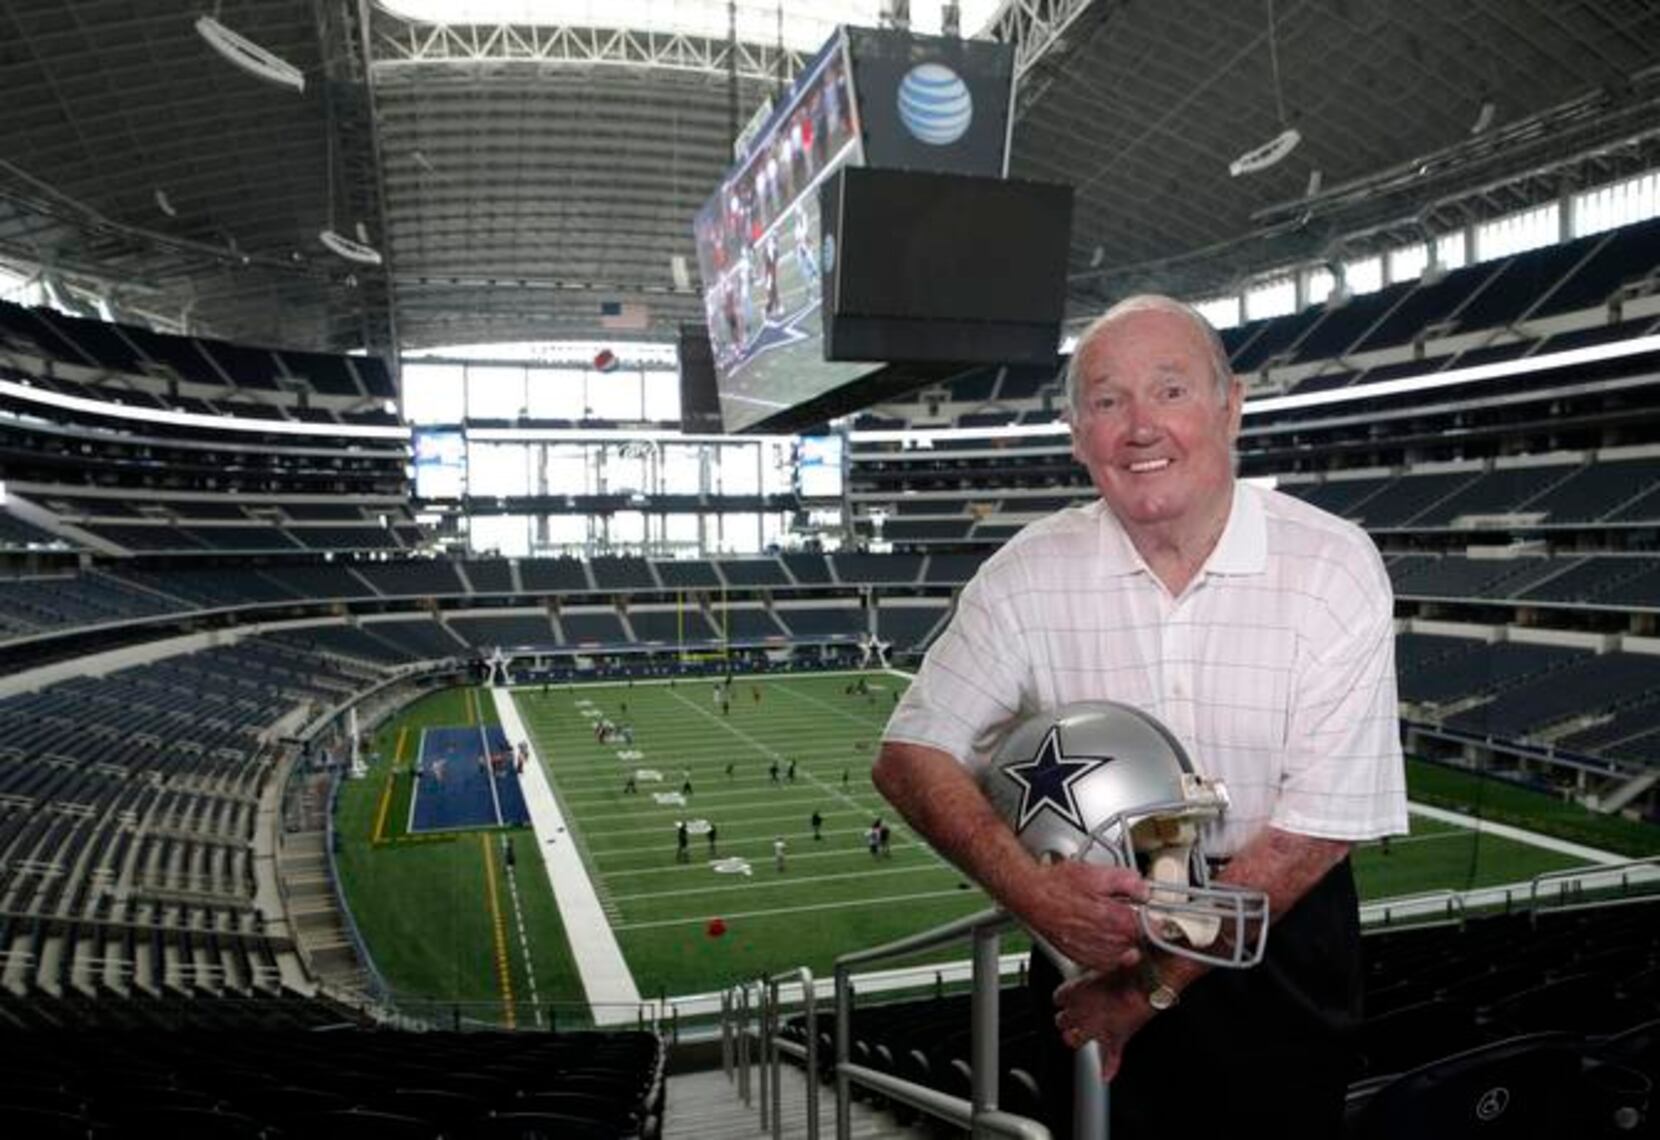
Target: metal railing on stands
[980,1115]
[753,1045]
[752,1054]
[1606,885]
[772,1039]
[1427,908]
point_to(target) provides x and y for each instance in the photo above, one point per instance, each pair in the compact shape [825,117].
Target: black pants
[1264,1047]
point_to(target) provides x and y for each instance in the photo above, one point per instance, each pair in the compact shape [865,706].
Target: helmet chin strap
[1167,873]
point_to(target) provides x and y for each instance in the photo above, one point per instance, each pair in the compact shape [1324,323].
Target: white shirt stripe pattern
[1275,668]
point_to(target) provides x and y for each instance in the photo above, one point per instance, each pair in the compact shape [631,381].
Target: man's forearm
[1282,864]
[942,802]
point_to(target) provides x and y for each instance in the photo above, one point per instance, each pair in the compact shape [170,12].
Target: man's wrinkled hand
[1089,914]
[1107,1008]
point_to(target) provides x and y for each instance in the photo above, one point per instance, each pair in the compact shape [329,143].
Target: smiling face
[1155,429]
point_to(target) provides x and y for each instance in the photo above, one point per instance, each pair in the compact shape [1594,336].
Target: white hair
[1148,303]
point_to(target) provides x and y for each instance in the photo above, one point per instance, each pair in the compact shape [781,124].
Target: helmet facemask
[1184,914]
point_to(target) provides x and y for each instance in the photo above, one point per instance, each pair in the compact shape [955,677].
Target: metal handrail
[1454,903]
[1578,877]
[981,1114]
[773,1040]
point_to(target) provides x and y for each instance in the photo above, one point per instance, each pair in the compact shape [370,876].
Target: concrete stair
[705,1106]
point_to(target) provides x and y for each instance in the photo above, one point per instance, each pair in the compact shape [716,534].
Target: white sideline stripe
[489,768]
[606,980]
[699,920]
[415,785]
[1532,838]
[524,939]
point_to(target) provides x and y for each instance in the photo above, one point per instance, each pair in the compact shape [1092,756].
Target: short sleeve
[1344,776]
[974,680]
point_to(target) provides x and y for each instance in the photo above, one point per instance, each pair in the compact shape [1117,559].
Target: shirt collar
[1242,548]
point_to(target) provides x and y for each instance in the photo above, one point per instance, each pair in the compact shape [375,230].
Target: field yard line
[699,920]
[938,858]
[567,688]
[862,722]
[1532,838]
[606,980]
[809,850]
[775,755]
[498,930]
[762,852]
[701,804]
[776,880]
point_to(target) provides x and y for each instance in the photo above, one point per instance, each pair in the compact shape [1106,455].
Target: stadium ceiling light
[1276,148]
[350,250]
[249,56]
[1267,154]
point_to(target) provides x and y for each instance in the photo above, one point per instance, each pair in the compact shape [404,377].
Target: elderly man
[1258,629]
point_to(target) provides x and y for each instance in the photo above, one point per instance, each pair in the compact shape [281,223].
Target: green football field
[831,897]
[434,910]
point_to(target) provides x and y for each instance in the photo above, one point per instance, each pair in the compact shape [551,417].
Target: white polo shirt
[1275,668]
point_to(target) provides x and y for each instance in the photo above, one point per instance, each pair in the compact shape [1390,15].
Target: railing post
[983,1015]
[726,1033]
[1089,1094]
[743,1043]
[809,998]
[776,1063]
[844,1036]
[761,1045]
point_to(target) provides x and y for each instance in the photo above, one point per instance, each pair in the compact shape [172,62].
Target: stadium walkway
[706,1106]
[606,981]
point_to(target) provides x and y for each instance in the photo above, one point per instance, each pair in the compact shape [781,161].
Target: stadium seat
[541,1126]
[357,1124]
[1520,1087]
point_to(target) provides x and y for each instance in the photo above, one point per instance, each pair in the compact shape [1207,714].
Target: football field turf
[425,905]
[832,895]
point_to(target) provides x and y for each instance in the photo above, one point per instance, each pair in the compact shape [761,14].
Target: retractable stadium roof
[511,175]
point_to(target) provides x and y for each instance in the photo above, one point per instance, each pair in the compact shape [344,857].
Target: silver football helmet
[1107,783]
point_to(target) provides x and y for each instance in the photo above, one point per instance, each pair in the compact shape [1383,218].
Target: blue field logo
[934,104]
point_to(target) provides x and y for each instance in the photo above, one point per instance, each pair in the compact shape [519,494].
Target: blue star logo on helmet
[1047,779]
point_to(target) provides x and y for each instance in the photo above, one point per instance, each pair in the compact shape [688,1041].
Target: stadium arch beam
[1035,28]
[471,44]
